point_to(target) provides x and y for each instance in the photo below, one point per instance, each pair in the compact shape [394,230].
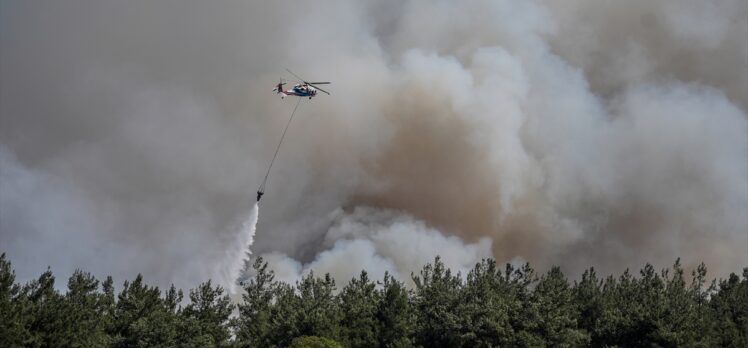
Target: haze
[133,135]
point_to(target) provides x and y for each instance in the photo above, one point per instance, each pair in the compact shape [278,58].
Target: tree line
[491,306]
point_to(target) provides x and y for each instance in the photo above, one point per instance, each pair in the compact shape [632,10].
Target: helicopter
[302,89]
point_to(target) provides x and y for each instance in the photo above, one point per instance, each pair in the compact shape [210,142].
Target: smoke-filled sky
[133,135]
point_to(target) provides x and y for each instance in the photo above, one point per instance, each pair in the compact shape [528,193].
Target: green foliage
[436,301]
[554,312]
[13,329]
[208,314]
[489,307]
[253,326]
[86,308]
[319,313]
[45,313]
[730,311]
[273,314]
[314,342]
[488,302]
[589,301]
[394,313]
[142,318]
[358,304]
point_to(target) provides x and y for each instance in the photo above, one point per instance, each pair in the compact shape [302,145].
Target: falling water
[238,252]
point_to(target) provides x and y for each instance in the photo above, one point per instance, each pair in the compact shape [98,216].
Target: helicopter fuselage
[300,90]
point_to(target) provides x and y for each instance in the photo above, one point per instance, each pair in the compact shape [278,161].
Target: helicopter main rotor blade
[297,76]
[319,89]
[311,83]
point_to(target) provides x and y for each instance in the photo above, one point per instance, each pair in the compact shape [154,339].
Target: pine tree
[208,314]
[556,313]
[253,325]
[285,316]
[588,297]
[107,303]
[319,311]
[436,300]
[730,306]
[524,315]
[47,314]
[86,306]
[679,324]
[13,331]
[488,301]
[395,317]
[358,304]
[144,319]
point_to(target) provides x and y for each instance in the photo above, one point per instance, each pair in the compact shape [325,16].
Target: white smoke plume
[380,241]
[576,132]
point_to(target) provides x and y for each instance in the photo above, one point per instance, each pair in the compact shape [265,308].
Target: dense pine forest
[491,306]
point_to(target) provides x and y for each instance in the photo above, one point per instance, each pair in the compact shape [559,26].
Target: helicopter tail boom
[279,89]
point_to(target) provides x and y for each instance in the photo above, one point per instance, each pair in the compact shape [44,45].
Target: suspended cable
[261,189]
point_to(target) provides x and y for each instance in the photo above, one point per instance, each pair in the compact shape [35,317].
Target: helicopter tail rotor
[279,88]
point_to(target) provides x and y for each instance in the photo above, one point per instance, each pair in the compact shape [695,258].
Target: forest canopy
[490,306]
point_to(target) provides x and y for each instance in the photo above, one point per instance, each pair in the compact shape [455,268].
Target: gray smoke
[578,132]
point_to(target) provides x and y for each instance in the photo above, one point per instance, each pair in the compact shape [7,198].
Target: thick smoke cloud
[579,133]
[380,241]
